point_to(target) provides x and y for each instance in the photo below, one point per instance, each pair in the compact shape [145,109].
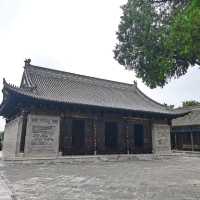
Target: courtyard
[170,178]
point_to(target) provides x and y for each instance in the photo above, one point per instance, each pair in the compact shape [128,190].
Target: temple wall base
[43,135]
[161,139]
[11,144]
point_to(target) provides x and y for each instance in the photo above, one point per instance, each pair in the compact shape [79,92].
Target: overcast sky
[75,36]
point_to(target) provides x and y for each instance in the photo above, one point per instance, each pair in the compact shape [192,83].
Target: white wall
[11,143]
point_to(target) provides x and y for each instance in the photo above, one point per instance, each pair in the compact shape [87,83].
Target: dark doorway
[78,136]
[139,138]
[173,140]
[23,134]
[111,137]
[196,139]
[184,141]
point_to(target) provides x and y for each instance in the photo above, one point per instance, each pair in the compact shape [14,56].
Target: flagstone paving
[177,178]
[5,193]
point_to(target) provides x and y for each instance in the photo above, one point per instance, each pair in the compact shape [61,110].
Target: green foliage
[169,106]
[190,103]
[1,139]
[159,39]
[184,40]
[1,135]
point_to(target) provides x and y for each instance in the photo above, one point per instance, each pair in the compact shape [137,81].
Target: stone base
[11,143]
[92,158]
[161,139]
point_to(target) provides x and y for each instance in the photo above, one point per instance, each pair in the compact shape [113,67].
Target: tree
[150,41]
[169,106]
[184,39]
[1,139]
[190,103]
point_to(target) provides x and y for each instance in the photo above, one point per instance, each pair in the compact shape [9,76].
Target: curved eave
[22,92]
[7,90]
[2,106]
[18,91]
[148,98]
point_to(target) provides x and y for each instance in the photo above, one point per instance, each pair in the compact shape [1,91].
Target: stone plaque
[43,134]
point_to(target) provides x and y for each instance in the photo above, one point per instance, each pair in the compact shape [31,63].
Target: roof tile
[67,87]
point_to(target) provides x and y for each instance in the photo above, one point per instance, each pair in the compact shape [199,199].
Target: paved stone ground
[5,193]
[177,178]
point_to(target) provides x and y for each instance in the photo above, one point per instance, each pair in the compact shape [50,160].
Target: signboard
[43,134]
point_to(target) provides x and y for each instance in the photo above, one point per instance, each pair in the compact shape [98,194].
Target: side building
[185,134]
[55,113]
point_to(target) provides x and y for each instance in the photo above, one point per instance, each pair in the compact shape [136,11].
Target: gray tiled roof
[192,118]
[53,85]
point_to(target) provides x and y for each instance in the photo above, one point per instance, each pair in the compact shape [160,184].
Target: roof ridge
[81,76]
[28,78]
[194,107]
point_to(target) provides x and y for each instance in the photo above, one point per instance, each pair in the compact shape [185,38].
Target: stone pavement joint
[5,192]
[170,178]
